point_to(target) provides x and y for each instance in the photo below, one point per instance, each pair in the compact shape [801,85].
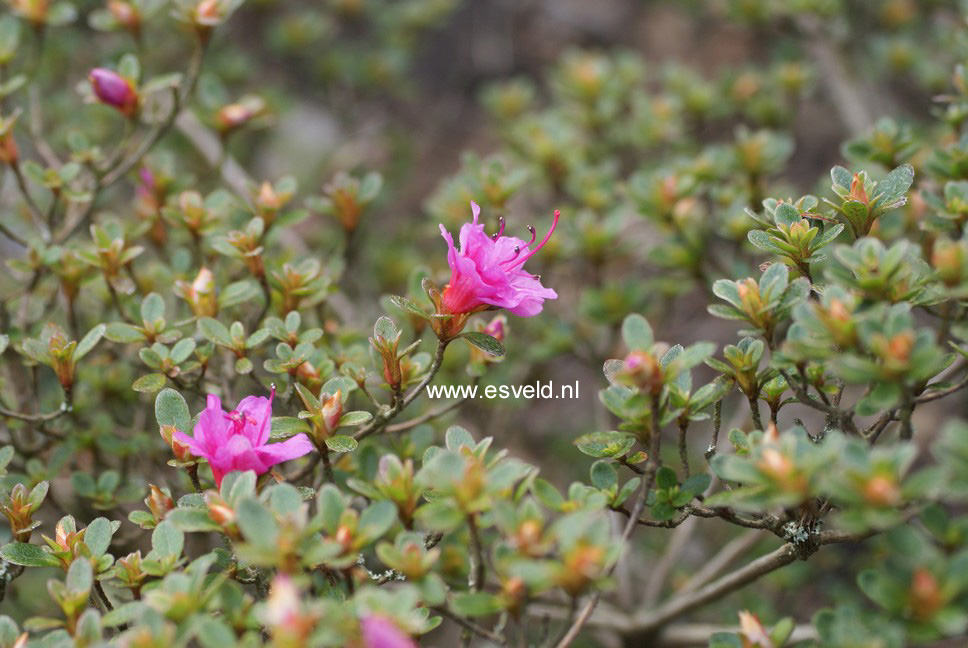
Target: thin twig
[470,625]
[382,418]
[651,468]
[727,554]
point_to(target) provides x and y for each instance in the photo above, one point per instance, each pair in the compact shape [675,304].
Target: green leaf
[171,409]
[883,396]
[283,427]
[182,350]
[763,241]
[666,478]
[440,516]
[191,520]
[603,475]
[484,342]
[257,524]
[405,304]
[88,342]
[697,484]
[98,536]
[354,418]
[605,444]
[637,333]
[243,366]
[214,331]
[6,456]
[842,178]
[385,328]
[80,577]
[152,307]
[475,604]
[27,555]
[123,333]
[376,519]
[547,494]
[212,633]
[149,383]
[891,191]
[786,214]
[341,443]
[457,437]
[238,293]
[167,539]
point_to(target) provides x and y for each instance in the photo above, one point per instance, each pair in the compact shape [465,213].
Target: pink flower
[487,271]
[114,90]
[238,440]
[379,632]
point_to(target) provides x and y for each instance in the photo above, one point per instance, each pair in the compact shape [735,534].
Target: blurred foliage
[161,249]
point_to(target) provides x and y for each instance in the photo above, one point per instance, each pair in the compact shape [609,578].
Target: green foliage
[147,269]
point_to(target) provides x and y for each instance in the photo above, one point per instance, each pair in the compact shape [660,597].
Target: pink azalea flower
[238,440]
[114,90]
[488,271]
[379,632]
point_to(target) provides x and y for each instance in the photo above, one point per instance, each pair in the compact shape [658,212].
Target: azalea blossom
[238,440]
[488,271]
[380,632]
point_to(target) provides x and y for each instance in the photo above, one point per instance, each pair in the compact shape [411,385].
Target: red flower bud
[126,14]
[9,153]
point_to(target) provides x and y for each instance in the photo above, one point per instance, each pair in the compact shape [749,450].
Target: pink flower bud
[114,90]
[200,294]
[497,328]
[332,411]
[236,115]
[126,14]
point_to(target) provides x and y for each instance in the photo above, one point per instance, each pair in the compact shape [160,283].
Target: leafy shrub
[214,404]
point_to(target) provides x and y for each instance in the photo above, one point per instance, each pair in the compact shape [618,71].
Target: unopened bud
[641,370]
[528,536]
[126,14]
[203,294]
[113,90]
[159,503]
[882,491]
[180,450]
[582,565]
[220,511]
[753,632]
[9,153]
[332,410]
[235,115]
[344,536]
[948,258]
[857,191]
[900,346]
[307,374]
[925,594]
[779,467]
[497,328]
[35,11]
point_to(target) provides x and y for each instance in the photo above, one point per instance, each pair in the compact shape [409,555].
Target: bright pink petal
[291,448]
[488,271]
[258,409]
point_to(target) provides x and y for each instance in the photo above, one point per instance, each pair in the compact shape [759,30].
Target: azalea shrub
[241,291]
